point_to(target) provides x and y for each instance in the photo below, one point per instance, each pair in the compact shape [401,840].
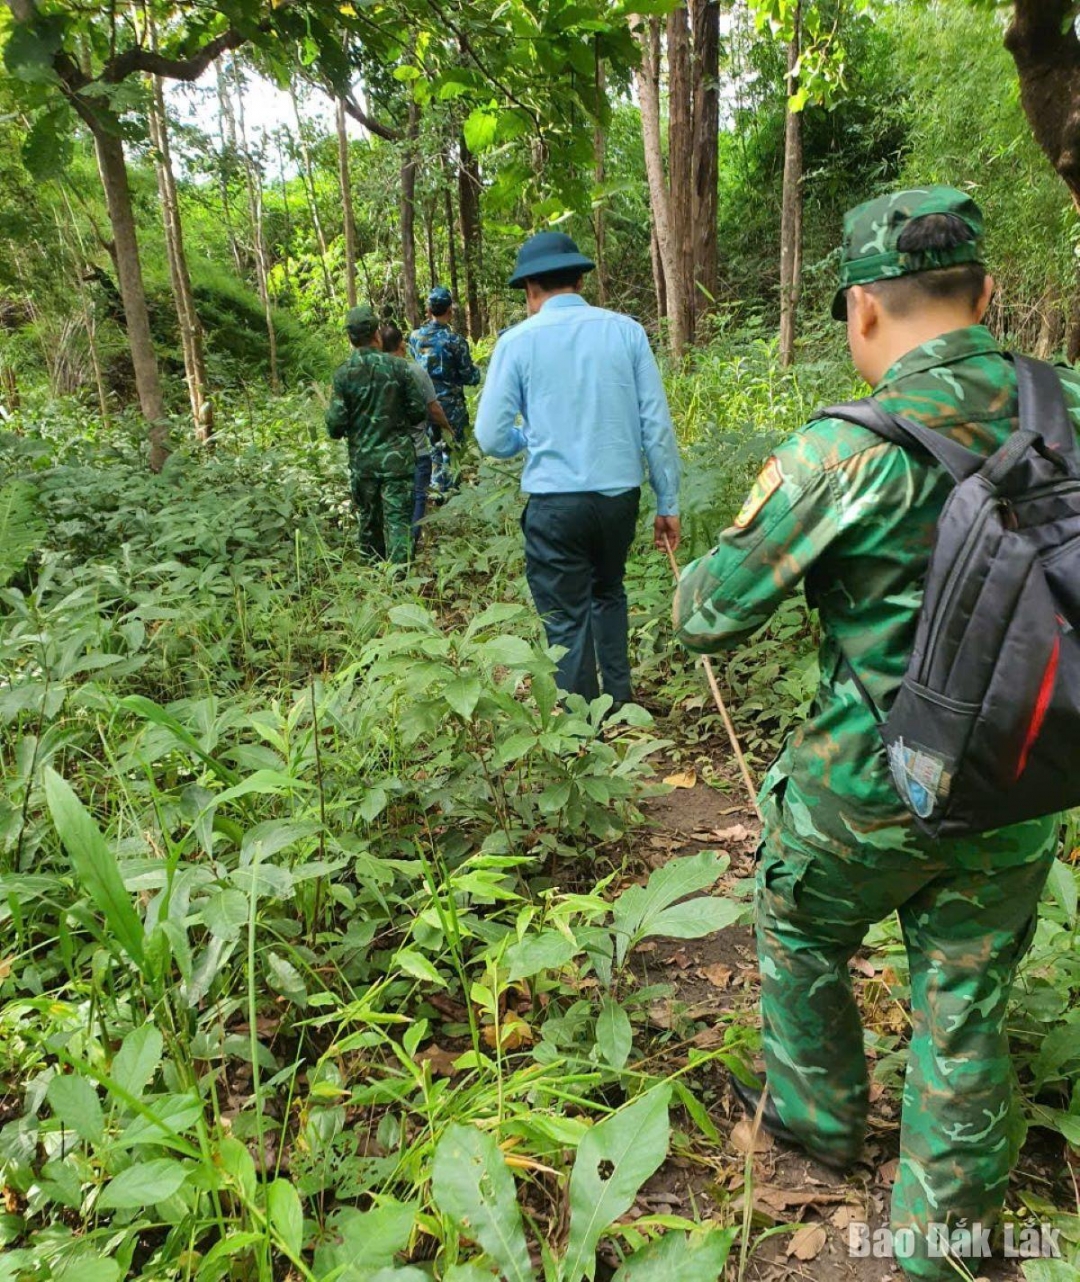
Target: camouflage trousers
[384,508]
[965,930]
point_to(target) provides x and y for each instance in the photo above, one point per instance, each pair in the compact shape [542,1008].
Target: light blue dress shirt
[592,403]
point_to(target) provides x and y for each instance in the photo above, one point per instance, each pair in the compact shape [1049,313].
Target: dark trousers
[575,558]
[421,485]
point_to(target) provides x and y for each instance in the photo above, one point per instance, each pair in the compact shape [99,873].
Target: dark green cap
[361,321]
[871,230]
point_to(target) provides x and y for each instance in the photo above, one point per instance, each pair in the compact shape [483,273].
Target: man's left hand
[667,532]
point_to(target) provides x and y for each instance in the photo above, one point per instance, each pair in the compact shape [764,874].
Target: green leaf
[225,913]
[614,1035]
[637,908]
[511,652]
[630,1145]
[418,966]
[680,1257]
[96,868]
[468,1273]
[47,151]
[150,711]
[144,1184]
[1050,1271]
[1062,885]
[463,694]
[472,1184]
[480,129]
[413,616]
[286,979]
[701,916]
[21,528]
[86,1269]
[137,1060]
[286,1215]
[372,804]
[406,74]
[75,1102]
[550,950]
[361,1242]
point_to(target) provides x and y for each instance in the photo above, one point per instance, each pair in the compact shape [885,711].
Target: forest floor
[715,980]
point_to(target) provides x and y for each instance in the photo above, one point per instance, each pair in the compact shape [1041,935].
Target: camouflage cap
[361,322]
[440,296]
[871,230]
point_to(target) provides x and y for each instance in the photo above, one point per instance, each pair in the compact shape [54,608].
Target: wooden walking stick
[714,686]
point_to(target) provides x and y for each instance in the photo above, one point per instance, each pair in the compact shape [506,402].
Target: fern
[21,527]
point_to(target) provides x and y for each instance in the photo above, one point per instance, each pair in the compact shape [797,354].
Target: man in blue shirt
[586,386]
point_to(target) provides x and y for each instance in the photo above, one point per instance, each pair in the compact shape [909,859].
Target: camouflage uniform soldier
[447,359]
[374,404]
[854,517]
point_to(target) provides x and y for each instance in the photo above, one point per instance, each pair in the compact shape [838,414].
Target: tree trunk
[112,166]
[681,165]
[1043,42]
[469,207]
[451,229]
[791,210]
[346,205]
[308,176]
[659,285]
[191,336]
[429,240]
[671,304]
[599,178]
[1051,325]
[227,133]
[408,216]
[705,16]
[255,206]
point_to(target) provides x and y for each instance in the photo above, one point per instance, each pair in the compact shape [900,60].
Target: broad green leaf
[511,652]
[1050,1271]
[463,694]
[628,1146]
[150,711]
[614,1035]
[418,966]
[515,747]
[21,526]
[680,1257]
[47,149]
[286,1215]
[550,950]
[173,1114]
[285,978]
[372,804]
[143,1184]
[75,1102]
[468,1273]
[700,916]
[95,864]
[225,913]
[361,1242]
[480,129]
[413,616]
[472,1184]
[1060,1046]
[137,1060]
[636,907]
[89,1269]
[1062,885]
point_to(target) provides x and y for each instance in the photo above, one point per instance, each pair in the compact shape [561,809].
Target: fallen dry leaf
[708,1039]
[441,1061]
[680,959]
[887,1173]
[843,1216]
[685,779]
[742,1138]
[778,1199]
[806,1243]
[512,1034]
[739,833]
[863,966]
[717,975]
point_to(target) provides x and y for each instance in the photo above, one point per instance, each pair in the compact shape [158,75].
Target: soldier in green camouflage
[374,404]
[853,517]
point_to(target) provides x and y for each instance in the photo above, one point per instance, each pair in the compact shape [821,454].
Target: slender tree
[345,179]
[407,218]
[791,201]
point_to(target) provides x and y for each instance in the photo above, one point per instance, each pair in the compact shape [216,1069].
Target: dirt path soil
[802,1213]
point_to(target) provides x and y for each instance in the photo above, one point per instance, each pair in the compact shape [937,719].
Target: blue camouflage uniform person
[446,357]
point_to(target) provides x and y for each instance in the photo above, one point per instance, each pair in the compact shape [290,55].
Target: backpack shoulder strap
[1043,408]
[959,462]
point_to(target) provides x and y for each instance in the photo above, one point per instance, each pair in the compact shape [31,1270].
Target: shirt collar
[957,345]
[558,301]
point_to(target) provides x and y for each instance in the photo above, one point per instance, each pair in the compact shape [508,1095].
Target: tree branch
[371,125]
[155,64]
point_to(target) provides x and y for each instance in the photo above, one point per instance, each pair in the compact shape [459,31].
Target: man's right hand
[667,532]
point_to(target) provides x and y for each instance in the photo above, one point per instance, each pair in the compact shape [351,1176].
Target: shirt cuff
[667,507]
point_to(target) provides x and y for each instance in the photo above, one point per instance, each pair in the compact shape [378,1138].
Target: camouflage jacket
[374,405]
[446,357]
[854,516]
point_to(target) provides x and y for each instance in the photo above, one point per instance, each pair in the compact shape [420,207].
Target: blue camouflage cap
[440,296]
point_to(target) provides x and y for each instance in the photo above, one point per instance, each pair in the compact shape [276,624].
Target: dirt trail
[716,981]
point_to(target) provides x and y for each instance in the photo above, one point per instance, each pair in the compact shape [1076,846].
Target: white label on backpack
[919,776]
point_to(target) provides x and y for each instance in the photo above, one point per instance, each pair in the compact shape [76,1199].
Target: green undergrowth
[319,913]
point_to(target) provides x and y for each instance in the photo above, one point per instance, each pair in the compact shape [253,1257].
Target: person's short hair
[391,338]
[438,308]
[962,283]
[557,279]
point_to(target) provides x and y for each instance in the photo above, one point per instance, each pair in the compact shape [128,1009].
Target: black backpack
[985,728]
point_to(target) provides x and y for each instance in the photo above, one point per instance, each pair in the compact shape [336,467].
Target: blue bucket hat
[547,251]
[440,296]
